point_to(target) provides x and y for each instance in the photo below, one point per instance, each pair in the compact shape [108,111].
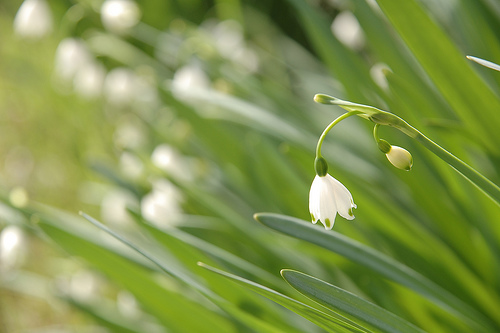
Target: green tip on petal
[328,224]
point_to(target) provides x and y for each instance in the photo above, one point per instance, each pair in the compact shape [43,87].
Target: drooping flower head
[328,197]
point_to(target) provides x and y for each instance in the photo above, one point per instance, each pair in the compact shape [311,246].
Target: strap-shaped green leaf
[347,303]
[376,261]
[328,322]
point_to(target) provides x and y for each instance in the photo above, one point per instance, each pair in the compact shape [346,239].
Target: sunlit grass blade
[485,63]
[348,304]
[373,260]
[320,318]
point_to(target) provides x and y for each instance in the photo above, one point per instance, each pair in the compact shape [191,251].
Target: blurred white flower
[89,79]
[12,247]
[127,304]
[230,42]
[71,55]
[131,165]
[228,37]
[120,86]
[162,205]
[188,79]
[18,197]
[168,159]
[119,15]
[84,286]
[33,19]
[346,28]
[129,133]
[247,58]
[114,207]
[328,197]
[76,68]
[400,158]
[378,74]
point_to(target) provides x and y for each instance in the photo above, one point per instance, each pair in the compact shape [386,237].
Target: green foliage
[201,115]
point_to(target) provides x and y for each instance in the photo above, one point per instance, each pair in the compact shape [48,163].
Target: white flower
[12,247]
[119,15]
[327,198]
[400,158]
[348,30]
[162,206]
[33,19]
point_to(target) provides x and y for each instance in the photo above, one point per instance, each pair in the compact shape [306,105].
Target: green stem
[483,183]
[375,132]
[329,127]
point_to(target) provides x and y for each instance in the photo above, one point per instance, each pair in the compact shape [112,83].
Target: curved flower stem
[330,126]
[375,132]
[380,117]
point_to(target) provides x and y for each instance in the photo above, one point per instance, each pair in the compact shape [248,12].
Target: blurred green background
[173,122]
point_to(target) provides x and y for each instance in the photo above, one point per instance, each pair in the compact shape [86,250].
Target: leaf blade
[349,304]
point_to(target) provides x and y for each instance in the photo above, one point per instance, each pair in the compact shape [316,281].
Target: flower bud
[323,99]
[400,158]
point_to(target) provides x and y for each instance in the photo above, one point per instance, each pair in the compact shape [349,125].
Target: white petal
[400,158]
[322,204]
[33,19]
[343,198]
[328,205]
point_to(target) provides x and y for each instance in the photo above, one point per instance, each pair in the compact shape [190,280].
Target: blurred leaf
[172,308]
[448,68]
[342,62]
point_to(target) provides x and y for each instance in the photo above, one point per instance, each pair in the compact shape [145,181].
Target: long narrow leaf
[374,260]
[320,318]
[348,304]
